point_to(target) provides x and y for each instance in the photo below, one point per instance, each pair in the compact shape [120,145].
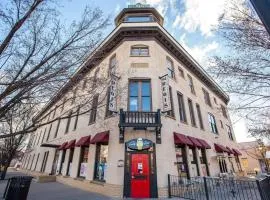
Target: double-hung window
[139,95]
[199,116]
[207,97]
[93,112]
[224,112]
[212,123]
[191,111]
[191,85]
[112,65]
[229,131]
[170,68]
[181,105]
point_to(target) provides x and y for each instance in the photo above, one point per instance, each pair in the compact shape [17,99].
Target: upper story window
[139,50]
[212,123]
[191,111]
[229,131]
[224,113]
[181,105]
[112,65]
[206,97]
[181,72]
[139,18]
[139,95]
[170,68]
[191,85]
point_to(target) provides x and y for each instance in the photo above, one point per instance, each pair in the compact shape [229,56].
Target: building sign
[139,144]
[113,92]
[165,93]
[139,5]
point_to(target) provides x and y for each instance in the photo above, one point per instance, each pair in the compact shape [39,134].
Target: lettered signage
[113,92]
[165,93]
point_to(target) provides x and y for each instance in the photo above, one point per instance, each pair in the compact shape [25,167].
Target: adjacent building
[253,157]
[160,113]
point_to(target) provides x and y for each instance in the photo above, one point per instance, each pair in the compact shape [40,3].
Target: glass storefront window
[192,156]
[180,161]
[101,162]
[202,156]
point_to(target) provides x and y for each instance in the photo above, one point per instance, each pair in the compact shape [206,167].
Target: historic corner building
[172,119]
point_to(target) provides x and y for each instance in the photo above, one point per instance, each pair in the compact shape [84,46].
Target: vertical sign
[165,93]
[112,94]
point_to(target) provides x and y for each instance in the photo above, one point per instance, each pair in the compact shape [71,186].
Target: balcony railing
[139,120]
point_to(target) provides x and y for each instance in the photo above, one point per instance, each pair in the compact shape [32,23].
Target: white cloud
[199,52]
[200,15]
[117,9]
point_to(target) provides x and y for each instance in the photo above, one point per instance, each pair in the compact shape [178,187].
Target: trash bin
[17,188]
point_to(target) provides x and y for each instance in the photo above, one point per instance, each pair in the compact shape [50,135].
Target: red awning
[182,139]
[237,152]
[204,144]
[102,137]
[229,150]
[63,146]
[84,141]
[195,142]
[219,148]
[71,144]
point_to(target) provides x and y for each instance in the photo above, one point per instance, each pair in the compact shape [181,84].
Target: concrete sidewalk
[53,191]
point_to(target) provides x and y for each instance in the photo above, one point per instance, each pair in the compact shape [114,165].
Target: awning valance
[195,142]
[204,144]
[182,139]
[84,141]
[102,137]
[220,149]
[237,152]
[71,144]
[63,146]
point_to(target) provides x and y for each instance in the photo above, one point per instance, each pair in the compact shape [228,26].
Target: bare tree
[245,70]
[16,119]
[42,54]
[38,54]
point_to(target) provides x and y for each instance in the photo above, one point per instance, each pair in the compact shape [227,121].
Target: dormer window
[139,50]
[139,18]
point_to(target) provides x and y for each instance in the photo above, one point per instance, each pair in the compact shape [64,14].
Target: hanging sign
[139,144]
[113,92]
[165,93]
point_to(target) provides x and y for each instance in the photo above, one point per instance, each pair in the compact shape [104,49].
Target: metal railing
[139,119]
[209,188]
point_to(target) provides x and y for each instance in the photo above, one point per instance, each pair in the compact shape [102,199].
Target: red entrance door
[140,182]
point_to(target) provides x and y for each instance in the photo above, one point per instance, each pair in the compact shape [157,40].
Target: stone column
[91,162]
[188,160]
[65,164]
[197,154]
[75,162]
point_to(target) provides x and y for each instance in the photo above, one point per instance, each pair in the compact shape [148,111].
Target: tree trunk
[6,165]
